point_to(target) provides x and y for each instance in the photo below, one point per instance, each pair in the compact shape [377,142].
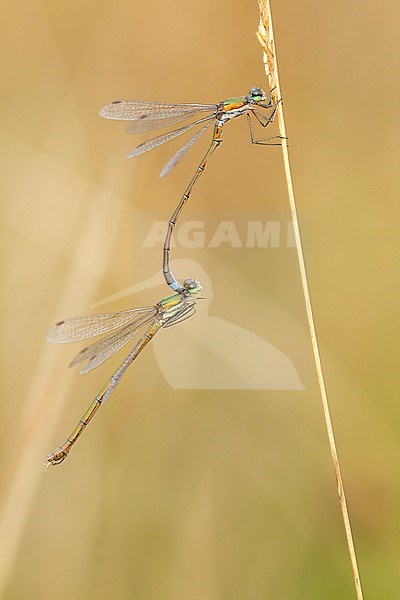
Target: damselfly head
[192,286]
[256,95]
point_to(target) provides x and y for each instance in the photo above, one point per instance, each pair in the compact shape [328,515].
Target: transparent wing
[100,351]
[163,139]
[105,342]
[182,151]
[132,110]
[81,328]
[141,126]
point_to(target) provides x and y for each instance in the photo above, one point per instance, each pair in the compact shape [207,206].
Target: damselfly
[124,325]
[148,116]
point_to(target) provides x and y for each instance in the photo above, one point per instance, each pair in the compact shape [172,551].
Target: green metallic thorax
[232,104]
[168,303]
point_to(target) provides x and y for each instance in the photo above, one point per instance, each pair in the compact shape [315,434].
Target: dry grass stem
[48,390]
[266,38]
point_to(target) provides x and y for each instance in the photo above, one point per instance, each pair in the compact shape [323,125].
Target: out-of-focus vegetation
[195,493]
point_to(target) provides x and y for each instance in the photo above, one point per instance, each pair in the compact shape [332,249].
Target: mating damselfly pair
[149,116]
[124,326]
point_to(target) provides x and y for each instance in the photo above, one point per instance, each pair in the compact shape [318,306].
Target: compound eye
[256,95]
[192,286]
[189,284]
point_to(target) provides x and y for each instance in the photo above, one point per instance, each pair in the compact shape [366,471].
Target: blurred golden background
[199,493]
